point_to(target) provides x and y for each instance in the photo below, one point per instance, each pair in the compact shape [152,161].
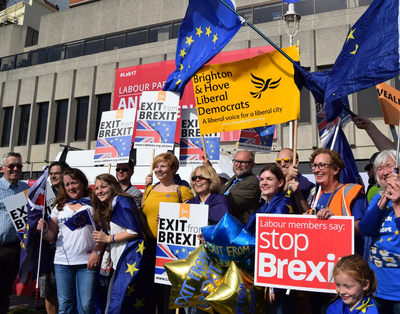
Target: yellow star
[27,226]
[199,31]
[177,251]
[212,151]
[390,239]
[25,236]
[189,40]
[355,50]
[208,31]
[211,145]
[381,240]
[167,129]
[154,124]
[131,268]
[130,290]
[215,38]
[211,156]
[180,66]
[141,248]
[178,82]
[183,53]
[159,123]
[350,36]
[396,232]
[183,250]
[23,246]
[138,303]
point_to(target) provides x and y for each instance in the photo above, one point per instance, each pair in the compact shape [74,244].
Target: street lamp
[292,22]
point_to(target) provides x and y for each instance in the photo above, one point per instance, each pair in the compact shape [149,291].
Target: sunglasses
[283,161]
[194,178]
[12,166]
[121,169]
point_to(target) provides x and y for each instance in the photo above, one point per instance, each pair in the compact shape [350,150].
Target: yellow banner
[247,93]
[389,98]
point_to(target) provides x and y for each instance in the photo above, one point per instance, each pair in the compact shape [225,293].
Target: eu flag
[370,54]
[206,29]
[79,220]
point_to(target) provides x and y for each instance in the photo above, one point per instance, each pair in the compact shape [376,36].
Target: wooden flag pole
[153,151]
[204,148]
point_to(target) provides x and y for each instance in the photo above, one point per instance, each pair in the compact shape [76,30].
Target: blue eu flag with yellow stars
[370,54]
[166,129]
[266,134]
[206,29]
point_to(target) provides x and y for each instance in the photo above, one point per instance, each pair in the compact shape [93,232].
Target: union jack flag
[166,129]
[259,138]
[105,150]
[163,255]
[145,133]
[191,149]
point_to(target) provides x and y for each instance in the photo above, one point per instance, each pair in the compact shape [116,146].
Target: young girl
[355,284]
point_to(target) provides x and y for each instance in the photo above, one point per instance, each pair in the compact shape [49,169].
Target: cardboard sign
[257,139]
[299,252]
[17,208]
[115,136]
[389,101]
[178,227]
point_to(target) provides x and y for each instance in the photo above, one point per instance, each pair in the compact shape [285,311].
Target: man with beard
[242,190]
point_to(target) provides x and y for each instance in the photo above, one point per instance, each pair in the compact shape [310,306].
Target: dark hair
[277,172]
[356,267]
[169,158]
[336,161]
[75,174]
[62,164]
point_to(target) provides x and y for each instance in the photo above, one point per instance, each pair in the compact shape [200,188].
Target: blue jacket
[218,206]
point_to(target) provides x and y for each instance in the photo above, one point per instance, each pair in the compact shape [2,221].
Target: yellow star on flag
[183,53]
[215,38]
[189,40]
[208,31]
[138,303]
[23,246]
[381,240]
[199,31]
[25,236]
[390,239]
[355,50]
[131,268]
[396,232]
[27,226]
[141,248]
[130,290]
[350,36]
[180,66]
[183,250]
[178,82]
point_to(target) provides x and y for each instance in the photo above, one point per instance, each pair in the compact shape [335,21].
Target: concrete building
[54,92]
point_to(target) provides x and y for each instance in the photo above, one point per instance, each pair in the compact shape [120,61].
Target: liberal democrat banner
[178,227]
[156,122]
[115,136]
[389,98]
[249,93]
[299,252]
[17,207]
[191,146]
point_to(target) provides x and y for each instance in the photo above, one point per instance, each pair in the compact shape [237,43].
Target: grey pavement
[23,302]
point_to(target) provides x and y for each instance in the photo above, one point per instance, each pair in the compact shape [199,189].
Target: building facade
[53,93]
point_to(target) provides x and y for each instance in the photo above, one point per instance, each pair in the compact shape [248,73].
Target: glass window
[61,121]
[175,29]
[39,57]
[303,7]
[56,54]
[247,14]
[22,60]
[94,46]
[159,33]
[8,113]
[24,125]
[75,50]
[267,13]
[364,2]
[305,104]
[81,118]
[103,104]
[7,63]
[115,42]
[368,103]
[136,38]
[42,123]
[329,5]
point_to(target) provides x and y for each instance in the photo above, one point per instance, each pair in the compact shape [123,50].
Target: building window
[81,118]
[364,2]
[114,42]
[22,60]
[94,46]
[159,33]
[305,106]
[329,5]
[39,57]
[75,50]
[103,104]
[8,113]
[136,38]
[368,103]
[175,29]
[56,54]
[24,125]
[267,13]
[305,7]
[42,123]
[7,63]
[61,121]
[247,14]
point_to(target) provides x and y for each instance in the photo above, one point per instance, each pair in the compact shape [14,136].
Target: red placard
[299,252]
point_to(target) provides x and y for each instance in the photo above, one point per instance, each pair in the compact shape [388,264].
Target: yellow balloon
[237,294]
[193,279]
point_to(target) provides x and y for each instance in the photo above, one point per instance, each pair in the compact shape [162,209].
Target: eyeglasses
[122,169]
[194,178]
[55,173]
[12,166]
[321,166]
[283,161]
[241,162]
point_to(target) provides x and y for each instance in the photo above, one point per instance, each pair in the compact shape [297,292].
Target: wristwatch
[97,252]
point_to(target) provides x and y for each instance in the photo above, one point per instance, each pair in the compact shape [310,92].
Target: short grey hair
[382,159]
[9,154]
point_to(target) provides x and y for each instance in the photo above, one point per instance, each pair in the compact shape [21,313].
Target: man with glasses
[298,187]
[124,173]
[11,167]
[242,190]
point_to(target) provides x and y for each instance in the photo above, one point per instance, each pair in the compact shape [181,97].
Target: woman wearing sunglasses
[206,185]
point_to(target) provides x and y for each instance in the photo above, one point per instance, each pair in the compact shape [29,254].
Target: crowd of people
[87,276]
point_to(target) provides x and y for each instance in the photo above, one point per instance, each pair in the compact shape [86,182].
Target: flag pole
[396,169]
[204,148]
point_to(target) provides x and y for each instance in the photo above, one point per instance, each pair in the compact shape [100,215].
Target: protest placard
[389,99]
[257,139]
[178,227]
[115,136]
[156,122]
[191,146]
[249,93]
[299,252]
[17,208]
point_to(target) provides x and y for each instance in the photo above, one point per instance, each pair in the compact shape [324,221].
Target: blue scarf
[82,201]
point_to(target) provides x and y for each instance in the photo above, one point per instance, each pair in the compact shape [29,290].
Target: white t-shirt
[117,248]
[72,247]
